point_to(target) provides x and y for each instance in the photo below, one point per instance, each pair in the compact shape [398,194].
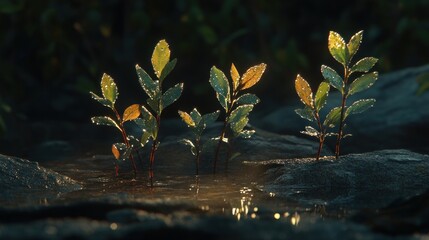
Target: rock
[20,175]
[371,179]
[398,120]
[409,216]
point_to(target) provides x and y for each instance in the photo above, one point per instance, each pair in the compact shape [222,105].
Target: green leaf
[360,106]
[109,89]
[106,121]
[190,144]
[247,133]
[210,118]
[101,100]
[247,98]
[149,122]
[121,151]
[353,45]
[187,118]
[238,126]
[306,113]
[364,65]
[145,137]
[239,113]
[333,117]
[321,95]
[160,57]
[252,76]
[310,131]
[154,104]
[337,48]
[363,82]
[304,92]
[171,95]
[196,116]
[220,84]
[333,78]
[149,86]
[223,101]
[167,69]
[235,76]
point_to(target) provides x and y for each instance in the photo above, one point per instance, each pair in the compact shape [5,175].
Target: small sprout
[157,100]
[197,124]
[110,95]
[311,111]
[237,108]
[344,53]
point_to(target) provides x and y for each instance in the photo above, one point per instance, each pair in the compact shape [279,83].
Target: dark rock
[355,181]
[22,175]
[398,120]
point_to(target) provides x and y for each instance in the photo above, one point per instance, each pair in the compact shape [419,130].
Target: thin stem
[322,134]
[222,135]
[197,158]
[155,142]
[124,136]
[343,105]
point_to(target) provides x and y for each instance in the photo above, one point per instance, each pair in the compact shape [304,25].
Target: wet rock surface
[367,180]
[398,119]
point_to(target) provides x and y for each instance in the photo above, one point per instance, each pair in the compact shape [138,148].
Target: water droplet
[277,216]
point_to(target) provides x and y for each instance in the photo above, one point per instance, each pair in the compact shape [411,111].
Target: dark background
[54,52]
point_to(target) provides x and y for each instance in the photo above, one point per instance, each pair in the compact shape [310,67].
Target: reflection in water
[245,202]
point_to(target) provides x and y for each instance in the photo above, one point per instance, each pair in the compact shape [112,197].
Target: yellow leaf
[252,76]
[304,91]
[132,112]
[187,119]
[160,57]
[235,77]
[115,152]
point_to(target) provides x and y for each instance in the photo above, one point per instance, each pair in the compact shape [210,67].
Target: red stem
[124,136]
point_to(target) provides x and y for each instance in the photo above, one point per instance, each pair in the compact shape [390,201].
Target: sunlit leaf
[321,95]
[133,141]
[235,76]
[116,152]
[238,126]
[219,82]
[106,121]
[247,98]
[121,151]
[306,113]
[252,76]
[247,133]
[145,137]
[360,106]
[150,123]
[333,117]
[239,113]
[210,118]
[364,65]
[223,101]
[354,44]
[132,112]
[167,69]
[332,77]
[109,89]
[160,57]
[363,82]
[149,86]
[310,131]
[171,95]
[187,118]
[337,48]
[190,144]
[101,100]
[304,91]
[154,104]
[196,116]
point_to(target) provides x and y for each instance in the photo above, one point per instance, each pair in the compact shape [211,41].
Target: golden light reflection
[276,216]
[113,226]
[244,208]
[294,220]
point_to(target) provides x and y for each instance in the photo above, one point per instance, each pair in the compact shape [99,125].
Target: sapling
[343,53]
[157,100]
[237,107]
[311,111]
[197,124]
[110,95]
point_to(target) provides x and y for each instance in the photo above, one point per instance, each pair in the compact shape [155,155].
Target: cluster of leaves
[197,123]
[237,107]
[157,100]
[344,53]
[110,94]
[311,111]
[151,115]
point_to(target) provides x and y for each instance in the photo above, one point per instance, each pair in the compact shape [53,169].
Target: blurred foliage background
[54,52]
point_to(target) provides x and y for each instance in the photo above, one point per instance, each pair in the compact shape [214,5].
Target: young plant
[110,95]
[237,107]
[197,124]
[343,53]
[312,108]
[158,99]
